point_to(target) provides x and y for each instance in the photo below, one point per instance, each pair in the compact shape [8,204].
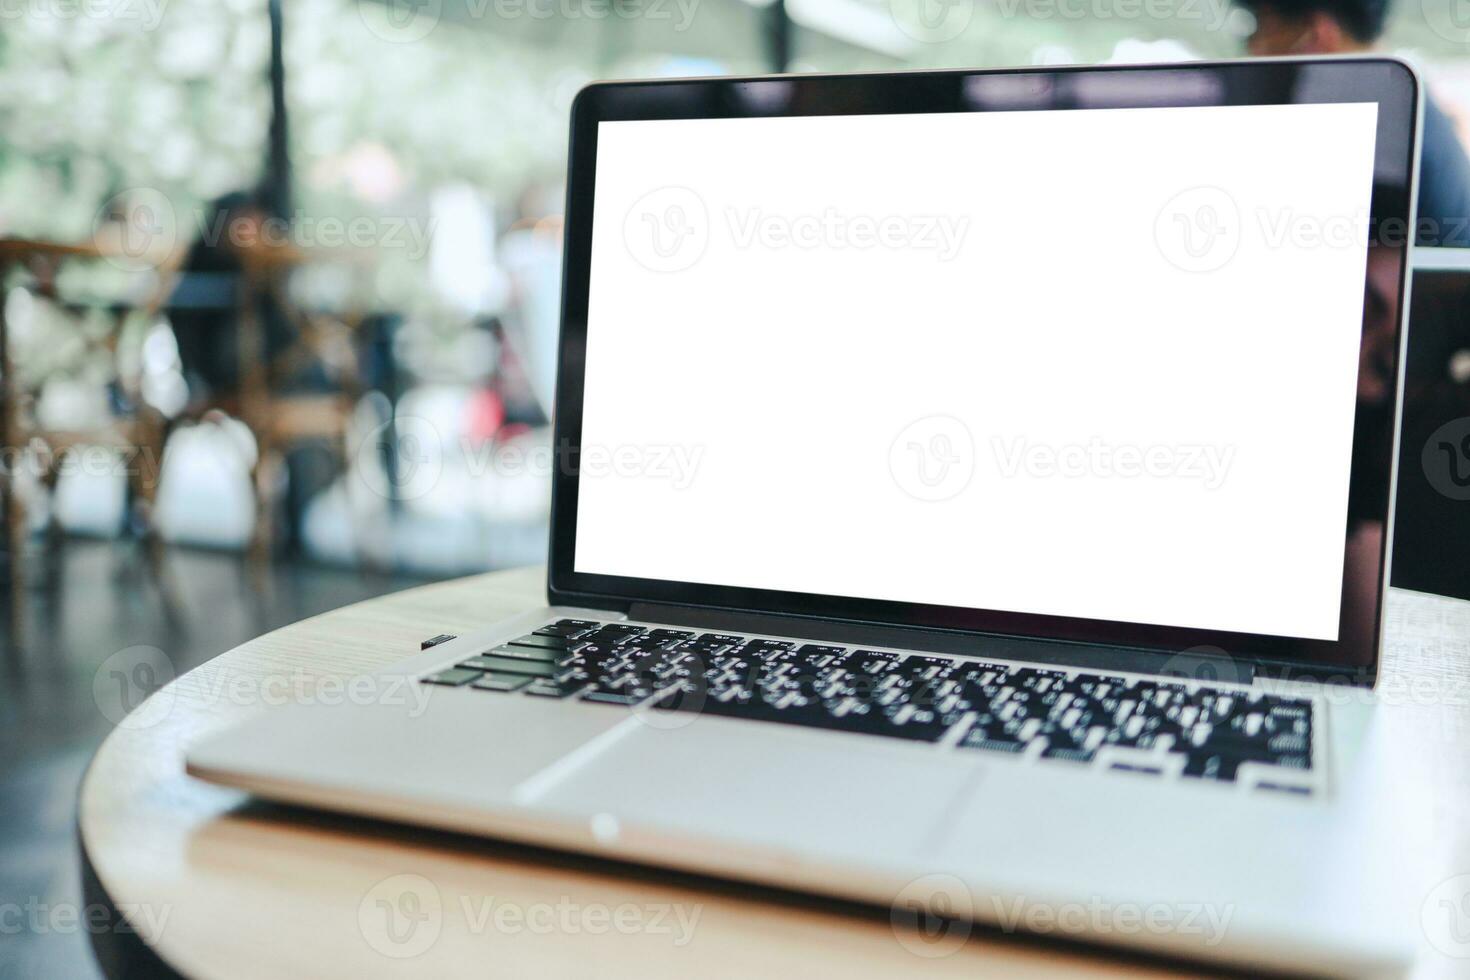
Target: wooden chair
[278,418]
[138,436]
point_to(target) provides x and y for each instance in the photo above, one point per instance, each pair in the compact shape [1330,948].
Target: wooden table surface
[211,884]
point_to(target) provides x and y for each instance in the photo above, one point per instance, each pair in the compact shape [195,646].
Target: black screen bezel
[1388,82]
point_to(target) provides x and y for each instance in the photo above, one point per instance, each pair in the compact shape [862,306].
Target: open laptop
[972,496]
[1431,518]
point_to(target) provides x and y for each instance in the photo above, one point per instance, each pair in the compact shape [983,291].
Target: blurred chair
[236,306]
[136,431]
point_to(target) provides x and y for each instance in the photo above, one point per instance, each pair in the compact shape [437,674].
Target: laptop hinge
[1060,653]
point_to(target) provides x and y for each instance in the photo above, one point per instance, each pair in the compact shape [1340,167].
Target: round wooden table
[206,882]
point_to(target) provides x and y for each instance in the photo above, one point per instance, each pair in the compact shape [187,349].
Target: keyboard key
[818,655]
[525,668]
[549,689]
[760,649]
[713,642]
[567,627]
[610,635]
[454,677]
[611,697]
[544,642]
[514,652]
[501,682]
[662,639]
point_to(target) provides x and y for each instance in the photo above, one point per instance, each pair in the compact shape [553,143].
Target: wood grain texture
[220,886]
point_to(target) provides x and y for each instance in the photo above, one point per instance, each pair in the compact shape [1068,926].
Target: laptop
[1431,520]
[964,502]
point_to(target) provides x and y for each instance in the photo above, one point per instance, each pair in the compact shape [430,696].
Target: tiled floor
[51,723]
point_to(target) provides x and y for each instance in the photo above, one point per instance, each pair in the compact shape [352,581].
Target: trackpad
[771,783]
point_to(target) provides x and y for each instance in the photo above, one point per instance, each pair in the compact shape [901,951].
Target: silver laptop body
[971,496]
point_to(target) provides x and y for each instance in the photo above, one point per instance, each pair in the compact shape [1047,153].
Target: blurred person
[1326,27]
[203,306]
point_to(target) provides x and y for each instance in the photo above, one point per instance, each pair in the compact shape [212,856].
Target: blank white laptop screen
[1091,363]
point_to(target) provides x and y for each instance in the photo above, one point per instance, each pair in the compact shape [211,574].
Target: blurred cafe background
[279,283]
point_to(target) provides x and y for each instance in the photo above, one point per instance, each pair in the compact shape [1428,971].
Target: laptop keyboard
[1056,714]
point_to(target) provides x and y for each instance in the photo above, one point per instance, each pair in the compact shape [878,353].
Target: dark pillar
[778,31]
[275,183]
